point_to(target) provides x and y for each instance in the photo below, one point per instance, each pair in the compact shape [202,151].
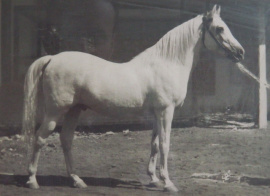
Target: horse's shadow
[53,180]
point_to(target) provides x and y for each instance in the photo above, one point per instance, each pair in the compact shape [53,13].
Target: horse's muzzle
[238,54]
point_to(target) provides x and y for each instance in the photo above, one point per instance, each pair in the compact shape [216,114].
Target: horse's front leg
[164,122]
[151,170]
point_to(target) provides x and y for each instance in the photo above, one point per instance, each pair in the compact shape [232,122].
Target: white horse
[155,80]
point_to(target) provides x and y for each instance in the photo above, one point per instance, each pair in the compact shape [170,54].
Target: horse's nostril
[241,52]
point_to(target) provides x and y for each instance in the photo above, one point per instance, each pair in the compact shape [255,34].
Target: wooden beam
[12,72]
[0,42]
[262,71]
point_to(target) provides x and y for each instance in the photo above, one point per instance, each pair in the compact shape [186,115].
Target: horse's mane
[174,44]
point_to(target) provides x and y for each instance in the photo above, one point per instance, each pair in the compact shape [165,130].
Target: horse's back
[77,60]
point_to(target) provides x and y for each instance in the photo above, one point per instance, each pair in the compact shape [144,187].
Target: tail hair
[31,88]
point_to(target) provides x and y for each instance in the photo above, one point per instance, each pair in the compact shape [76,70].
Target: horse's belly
[120,112]
[116,108]
[115,102]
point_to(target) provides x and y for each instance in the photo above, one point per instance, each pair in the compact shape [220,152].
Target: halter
[206,27]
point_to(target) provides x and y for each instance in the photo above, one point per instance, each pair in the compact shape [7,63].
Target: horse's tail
[32,86]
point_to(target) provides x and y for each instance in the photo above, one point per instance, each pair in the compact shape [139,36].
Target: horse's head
[218,37]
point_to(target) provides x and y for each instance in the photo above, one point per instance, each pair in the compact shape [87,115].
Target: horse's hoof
[80,184]
[157,184]
[32,185]
[171,189]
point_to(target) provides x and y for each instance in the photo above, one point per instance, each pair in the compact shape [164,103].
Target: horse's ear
[216,10]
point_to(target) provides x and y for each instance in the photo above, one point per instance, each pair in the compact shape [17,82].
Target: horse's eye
[219,30]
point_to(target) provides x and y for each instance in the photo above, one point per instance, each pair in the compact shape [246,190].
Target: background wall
[215,86]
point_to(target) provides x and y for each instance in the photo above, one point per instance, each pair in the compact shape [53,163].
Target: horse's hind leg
[42,133]
[151,170]
[66,137]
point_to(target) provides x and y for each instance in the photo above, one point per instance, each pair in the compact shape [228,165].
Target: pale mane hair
[174,44]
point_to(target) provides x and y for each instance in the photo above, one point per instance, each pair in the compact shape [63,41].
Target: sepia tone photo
[134,97]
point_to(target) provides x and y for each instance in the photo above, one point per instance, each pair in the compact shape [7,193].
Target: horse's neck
[182,42]
[180,45]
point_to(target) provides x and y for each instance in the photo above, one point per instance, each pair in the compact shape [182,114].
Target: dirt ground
[202,161]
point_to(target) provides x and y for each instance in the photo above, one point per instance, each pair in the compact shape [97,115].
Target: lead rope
[244,70]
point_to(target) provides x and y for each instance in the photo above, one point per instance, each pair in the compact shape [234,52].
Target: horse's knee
[155,147]
[164,148]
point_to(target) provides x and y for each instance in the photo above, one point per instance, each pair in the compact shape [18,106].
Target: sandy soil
[202,161]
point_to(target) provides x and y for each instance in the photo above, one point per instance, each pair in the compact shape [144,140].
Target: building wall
[0,43]
[229,88]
